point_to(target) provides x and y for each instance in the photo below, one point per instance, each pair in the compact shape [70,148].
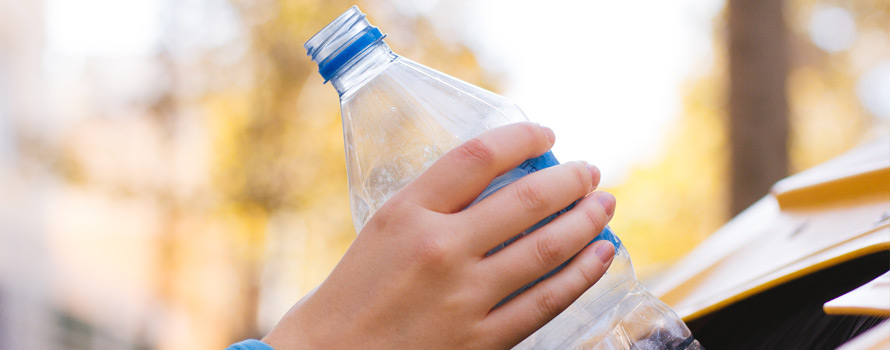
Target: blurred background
[172,172]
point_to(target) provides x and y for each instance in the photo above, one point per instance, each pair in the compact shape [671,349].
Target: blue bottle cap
[340,41]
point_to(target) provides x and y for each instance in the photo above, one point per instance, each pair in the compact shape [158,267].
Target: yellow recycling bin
[774,276]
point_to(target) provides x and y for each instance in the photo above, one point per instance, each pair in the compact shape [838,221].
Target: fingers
[452,182]
[545,249]
[527,201]
[531,310]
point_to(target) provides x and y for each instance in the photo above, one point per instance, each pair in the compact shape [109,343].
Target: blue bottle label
[546,160]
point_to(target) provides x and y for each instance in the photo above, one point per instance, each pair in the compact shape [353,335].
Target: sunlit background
[172,172]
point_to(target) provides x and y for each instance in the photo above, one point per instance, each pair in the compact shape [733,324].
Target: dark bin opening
[790,316]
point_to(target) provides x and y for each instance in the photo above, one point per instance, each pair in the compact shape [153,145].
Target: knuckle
[582,177]
[533,132]
[531,197]
[454,303]
[549,251]
[477,150]
[548,304]
[392,215]
[596,218]
[429,251]
[590,275]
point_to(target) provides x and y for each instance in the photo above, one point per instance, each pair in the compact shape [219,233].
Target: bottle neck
[363,67]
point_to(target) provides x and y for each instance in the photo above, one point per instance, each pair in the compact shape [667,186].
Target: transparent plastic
[616,313]
[399,117]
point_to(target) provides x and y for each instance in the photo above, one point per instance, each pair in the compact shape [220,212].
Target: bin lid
[830,214]
[871,299]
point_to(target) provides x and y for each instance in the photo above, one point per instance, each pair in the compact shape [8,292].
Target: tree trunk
[758,121]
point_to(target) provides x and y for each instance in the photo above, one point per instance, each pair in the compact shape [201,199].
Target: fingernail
[607,200]
[551,136]
[604,251]
[594,175]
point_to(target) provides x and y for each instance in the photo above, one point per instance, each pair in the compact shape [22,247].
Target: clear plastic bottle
[400,116]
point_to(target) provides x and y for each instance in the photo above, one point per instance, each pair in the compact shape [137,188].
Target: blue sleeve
[250,344]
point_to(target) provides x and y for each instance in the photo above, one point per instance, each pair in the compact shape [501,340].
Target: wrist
[286,338]
[297,331]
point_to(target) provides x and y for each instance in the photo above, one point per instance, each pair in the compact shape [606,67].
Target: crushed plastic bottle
[399,117]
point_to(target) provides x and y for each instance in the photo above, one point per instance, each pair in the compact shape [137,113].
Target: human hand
[417,276]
